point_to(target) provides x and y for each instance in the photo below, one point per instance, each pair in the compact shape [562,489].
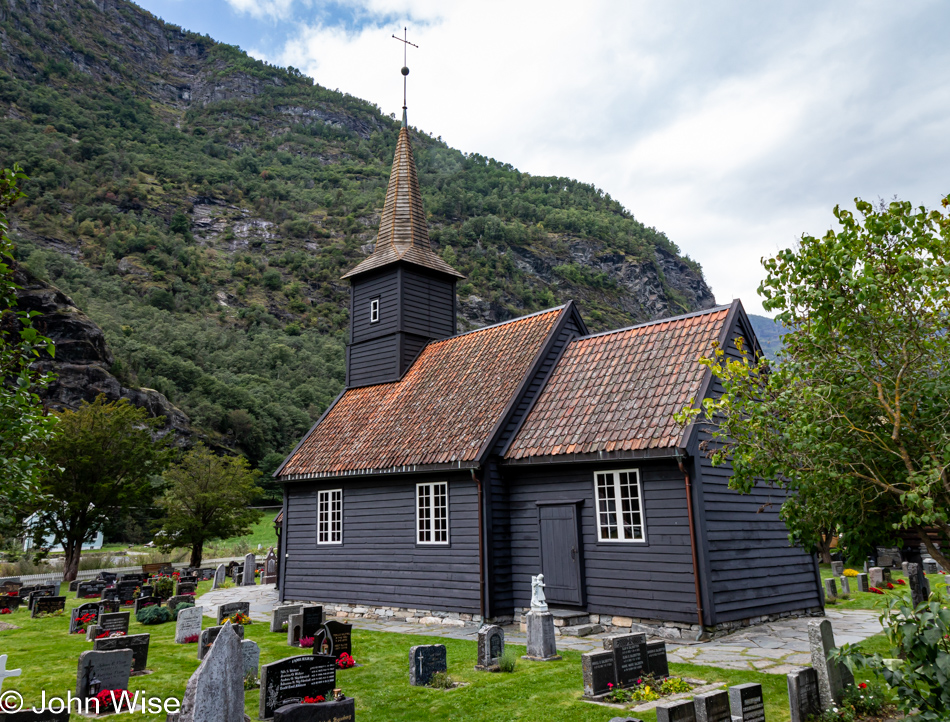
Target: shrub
[179,607]
[441,680]
[154,615]
[163,587]
[507,661]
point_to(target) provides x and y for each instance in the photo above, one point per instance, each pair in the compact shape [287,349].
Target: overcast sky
[734,127]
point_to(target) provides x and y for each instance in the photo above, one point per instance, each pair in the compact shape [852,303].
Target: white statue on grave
[538,603]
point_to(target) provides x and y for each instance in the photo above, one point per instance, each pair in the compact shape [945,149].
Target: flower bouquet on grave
[112,699]
[191,639]
[90,596]
[901,582]
[6,610]
[306,642]
[109,635]
[239,618]
[875,590]
[82,620]
[889,585]
[345,661]
[314,700]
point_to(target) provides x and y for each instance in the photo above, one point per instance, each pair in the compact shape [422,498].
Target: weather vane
[405,66]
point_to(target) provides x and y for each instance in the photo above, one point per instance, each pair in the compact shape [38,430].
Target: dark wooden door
[560,554]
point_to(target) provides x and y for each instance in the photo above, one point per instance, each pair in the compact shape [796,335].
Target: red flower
[862,685]
[901,582]
[306,642]
[191,639]
[890,586]
[875,590]
[345,661]
[314,700]
[6,610]
[109,696]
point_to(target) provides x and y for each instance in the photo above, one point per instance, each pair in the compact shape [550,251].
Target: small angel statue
[538,603]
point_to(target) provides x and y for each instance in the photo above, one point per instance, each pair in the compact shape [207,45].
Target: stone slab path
[776,647]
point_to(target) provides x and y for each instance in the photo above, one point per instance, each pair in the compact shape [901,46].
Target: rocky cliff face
[83,358]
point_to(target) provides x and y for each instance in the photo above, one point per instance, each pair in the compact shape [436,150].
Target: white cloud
[274,9]
[733,127]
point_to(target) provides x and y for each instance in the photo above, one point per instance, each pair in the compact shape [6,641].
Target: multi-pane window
[374,310]
[330,516]
[619,506]
[432,513]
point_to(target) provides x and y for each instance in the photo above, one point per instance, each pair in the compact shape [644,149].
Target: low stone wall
[426,617]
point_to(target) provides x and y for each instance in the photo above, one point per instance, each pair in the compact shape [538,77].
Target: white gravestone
[219,575]
[249,565]
[188,623]
[6,673]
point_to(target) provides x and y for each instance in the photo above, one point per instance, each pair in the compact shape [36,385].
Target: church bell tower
[403,294]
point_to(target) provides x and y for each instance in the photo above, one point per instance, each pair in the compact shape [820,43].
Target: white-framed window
[330,516]
[374,311]
[619,506]
[432,513]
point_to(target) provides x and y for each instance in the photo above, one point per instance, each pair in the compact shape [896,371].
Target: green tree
[24,425]
[207,498]
[102,461]
[860,399]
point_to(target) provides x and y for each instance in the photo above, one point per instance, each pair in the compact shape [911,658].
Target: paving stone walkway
[776,647]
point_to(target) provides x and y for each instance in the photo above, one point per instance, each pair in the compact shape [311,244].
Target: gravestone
[138,643]
[85,590]
[290,680]
[73,585]
[886,572]
[249,568]
[111,670]
[833,678]
[322,643]
[143,602]
[804,700]
[681,711]
[340,636]
[208,636]
[188,579]
[75,626]
[863,585]
[137,578]
[91,631]
[108,606]
[831,591]
[252,657]
[747,703]
[11,603]
[876,577]
[10,586]
[657,661]
[188,624]
[37,593]
[311,620]
[630,657]
[29,715]
[146,590]
[48,605]
[294,627]
[845,587]
[206,575]
[184,588]
[919,588]
[599,671]
[118,622]
[930,566]
[269,575]
[219,576]
[837,568]
[173,602]
[281,614]
[426,660]
[542,646]
[343,710]
[215,692]
[107,577]
[904,569]
[491,645]
[111,594]
[237,576]
[232,608]
[712,707]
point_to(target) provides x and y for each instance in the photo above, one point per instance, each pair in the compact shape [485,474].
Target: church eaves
[403,232]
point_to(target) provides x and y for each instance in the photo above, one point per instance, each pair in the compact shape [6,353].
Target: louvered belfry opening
[403,294]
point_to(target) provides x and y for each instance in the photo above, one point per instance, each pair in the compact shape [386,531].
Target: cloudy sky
[734,127]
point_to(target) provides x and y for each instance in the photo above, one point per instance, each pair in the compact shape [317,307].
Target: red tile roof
[441,412]
[618,391]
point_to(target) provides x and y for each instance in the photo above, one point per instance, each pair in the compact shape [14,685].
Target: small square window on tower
[374,311]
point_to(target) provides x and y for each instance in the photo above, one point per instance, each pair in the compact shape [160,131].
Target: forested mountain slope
[201,207]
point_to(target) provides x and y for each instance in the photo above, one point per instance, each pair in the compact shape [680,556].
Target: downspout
[481,556]
[692,541]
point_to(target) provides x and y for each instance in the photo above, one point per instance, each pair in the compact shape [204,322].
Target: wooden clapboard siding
[379,562]
[385,286]
[374,361]
[646,581]
[750,569]
[428,304]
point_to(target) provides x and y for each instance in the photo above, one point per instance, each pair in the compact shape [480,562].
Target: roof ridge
[500,323]
[714,309]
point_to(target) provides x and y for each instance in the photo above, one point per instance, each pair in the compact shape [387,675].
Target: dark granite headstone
[44,591]
[340,636]
[143,602]
[341,711]
[108,606]
[77,627]
[10,587]
[600,672]
[630,657]
[292,679]
[269,575]
[118,622]
[312,620]
[86,590]
[804,700]
[491,645]
[229,610]
[107,577]
[11,603]
[681,711]
[28,715]
[862,580]
[831,590]
[146,590]
[110,669]
[111,594]
[48,605]
[657,662]
[712,707]
[185,588]
[426,660]
[138,643]
[919,588]
[173,602]
[207,637]
[746,702]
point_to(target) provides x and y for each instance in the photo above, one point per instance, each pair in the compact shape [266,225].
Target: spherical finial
[405,70]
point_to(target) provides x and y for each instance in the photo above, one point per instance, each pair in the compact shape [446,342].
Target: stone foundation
[426,617]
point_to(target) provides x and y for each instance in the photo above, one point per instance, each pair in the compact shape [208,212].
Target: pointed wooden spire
[403,232]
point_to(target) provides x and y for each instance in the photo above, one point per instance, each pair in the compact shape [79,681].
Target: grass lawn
[261,533]
[548,691]
[866,600]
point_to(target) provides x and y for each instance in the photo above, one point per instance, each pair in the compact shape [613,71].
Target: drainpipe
[692,541]
[481,556]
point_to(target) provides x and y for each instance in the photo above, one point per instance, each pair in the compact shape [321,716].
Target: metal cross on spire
[405,67]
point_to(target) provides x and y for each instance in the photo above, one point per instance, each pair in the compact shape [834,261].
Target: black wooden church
[453,467]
